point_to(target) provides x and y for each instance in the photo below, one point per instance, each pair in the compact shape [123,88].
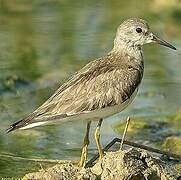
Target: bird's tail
[14,126]
[31,122]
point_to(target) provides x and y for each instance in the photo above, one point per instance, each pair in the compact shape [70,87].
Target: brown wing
[98,85]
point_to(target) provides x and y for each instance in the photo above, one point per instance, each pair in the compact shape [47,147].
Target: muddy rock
[132,164]
[67,171]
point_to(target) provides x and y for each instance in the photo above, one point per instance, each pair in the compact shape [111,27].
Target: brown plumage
[105,82]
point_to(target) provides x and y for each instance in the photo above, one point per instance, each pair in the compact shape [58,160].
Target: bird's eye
[138,30]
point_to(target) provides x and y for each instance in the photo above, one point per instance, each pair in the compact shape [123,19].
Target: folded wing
[98,85]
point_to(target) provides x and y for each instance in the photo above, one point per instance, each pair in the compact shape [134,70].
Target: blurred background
[43,42]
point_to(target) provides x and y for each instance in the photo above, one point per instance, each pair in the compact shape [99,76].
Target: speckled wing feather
[104,82]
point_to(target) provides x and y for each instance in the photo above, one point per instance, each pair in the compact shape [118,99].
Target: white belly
[109,111]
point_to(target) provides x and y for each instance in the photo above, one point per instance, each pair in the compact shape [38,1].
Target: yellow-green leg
[83,157]
[97,139]
[125,132]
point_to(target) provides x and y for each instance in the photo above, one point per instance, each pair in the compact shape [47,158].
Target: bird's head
[136,32]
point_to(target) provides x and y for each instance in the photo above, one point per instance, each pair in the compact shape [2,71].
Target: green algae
[178,115]
[134,127]
[172,144]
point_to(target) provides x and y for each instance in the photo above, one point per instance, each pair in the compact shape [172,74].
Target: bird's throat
[125,49]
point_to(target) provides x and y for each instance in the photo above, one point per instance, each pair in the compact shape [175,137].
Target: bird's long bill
[162,42]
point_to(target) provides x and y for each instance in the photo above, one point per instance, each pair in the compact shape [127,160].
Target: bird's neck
[127,48]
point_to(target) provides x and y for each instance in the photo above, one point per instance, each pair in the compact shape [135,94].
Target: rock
[67,171]
[132,164]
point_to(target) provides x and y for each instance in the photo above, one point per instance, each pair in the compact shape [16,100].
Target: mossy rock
[172,144]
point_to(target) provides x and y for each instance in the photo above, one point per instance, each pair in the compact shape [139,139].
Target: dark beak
[162,42]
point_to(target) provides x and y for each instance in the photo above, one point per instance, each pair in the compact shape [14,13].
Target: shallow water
[43,42]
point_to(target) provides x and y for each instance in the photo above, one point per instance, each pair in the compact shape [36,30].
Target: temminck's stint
[103,87]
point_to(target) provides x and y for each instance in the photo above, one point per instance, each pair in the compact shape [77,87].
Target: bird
[102,88]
